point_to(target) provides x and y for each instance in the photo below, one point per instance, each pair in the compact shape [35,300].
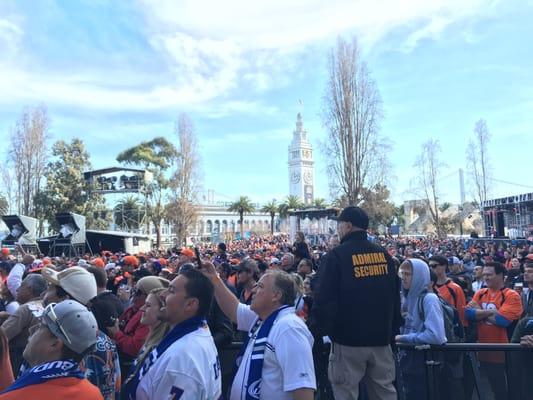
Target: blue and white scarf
[255,372]
[176,333]
[44,372]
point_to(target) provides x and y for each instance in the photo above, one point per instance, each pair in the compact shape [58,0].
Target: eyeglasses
[50,313]
[433,265]
[402,273]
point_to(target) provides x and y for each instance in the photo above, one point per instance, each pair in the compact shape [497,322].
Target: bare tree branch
[352,111]
[185,181]
[478,162]
[428,170]
[27,156]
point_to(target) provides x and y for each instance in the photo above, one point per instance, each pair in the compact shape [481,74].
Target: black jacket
[106,307]
[357,300]
[220,326]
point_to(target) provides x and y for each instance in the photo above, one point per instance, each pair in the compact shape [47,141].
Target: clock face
[295,177]
[308,177]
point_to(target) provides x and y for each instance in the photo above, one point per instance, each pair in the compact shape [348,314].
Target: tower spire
[300,134]
[301,164]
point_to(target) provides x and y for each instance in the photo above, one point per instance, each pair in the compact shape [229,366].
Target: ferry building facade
[216,223]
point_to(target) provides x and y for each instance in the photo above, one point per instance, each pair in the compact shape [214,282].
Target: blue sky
[117,73]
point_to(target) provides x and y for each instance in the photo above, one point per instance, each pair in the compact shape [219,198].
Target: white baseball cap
[73,323]
[76,281]
[109,266]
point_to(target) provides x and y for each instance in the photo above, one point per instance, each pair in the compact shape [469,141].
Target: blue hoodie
[430,331]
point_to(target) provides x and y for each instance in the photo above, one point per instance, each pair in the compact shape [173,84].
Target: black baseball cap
[354,215]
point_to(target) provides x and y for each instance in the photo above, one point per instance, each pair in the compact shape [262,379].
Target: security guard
[357,304]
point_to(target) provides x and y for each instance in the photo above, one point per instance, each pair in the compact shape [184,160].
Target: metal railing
[469,371]
[454,371]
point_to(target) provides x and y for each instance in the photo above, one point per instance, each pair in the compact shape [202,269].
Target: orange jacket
[457,299]
[60,388]
[509,305]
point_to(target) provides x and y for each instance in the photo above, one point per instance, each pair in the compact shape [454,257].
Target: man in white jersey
[185,365]
[276,360]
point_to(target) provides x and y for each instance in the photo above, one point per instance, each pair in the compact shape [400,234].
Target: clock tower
[301,164]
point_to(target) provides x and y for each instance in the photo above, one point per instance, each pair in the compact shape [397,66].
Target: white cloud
[10,37]
[276,24]
[218,46]
[218,57]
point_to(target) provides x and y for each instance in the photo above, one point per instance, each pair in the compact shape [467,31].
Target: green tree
[320,203]
[444,206]
[378,207]
[129,213]
[291,202]
[242,206]
[66,189]
[156,156]
[294,202]
[271,208]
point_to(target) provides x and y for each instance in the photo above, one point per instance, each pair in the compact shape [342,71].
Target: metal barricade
[469,371]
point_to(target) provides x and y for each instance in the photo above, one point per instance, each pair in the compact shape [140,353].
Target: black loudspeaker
[500,224]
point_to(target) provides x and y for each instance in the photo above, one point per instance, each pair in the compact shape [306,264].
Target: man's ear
[277,295]
[56,345]
[193,302]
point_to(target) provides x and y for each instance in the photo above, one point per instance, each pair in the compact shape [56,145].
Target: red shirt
[132,337]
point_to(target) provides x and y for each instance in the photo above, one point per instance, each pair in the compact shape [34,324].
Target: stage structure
[71,240]
[114,241]
[317,224]
[510,216]
[22,231]
[114,182]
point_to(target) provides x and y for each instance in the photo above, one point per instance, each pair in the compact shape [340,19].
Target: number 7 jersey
[188,370]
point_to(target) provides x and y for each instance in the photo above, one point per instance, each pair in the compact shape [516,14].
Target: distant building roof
[109,170]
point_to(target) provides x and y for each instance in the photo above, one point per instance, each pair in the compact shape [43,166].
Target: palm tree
[271,208]
[320,203]
[242,206]
[293,202]
[128,213]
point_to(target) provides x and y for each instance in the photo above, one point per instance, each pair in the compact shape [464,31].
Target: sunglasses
[433,265]
[51,315]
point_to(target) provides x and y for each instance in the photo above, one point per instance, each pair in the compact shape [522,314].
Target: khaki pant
[350,365]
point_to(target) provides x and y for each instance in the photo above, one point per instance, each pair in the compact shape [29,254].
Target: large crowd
[333,320]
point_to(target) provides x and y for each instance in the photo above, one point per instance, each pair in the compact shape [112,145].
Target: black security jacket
[357,300]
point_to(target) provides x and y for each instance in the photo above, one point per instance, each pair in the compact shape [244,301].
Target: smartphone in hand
[198,259]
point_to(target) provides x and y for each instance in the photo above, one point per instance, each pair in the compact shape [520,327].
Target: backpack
[453,327]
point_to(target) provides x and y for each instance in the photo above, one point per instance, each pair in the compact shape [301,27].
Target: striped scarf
[262,328]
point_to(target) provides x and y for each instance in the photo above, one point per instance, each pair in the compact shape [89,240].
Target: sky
[116,73]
